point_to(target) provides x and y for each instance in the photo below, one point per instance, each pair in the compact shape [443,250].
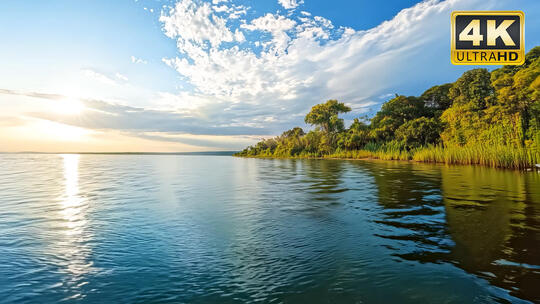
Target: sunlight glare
[69,107]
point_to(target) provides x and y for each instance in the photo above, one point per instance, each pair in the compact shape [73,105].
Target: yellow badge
[488,37]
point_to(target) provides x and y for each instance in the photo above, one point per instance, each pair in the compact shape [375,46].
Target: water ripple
[203,229]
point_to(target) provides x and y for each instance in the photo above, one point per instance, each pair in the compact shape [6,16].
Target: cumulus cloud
[290,4]
[193,23]
[286,63]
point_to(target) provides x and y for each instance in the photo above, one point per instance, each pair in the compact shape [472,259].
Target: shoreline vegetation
[483,118]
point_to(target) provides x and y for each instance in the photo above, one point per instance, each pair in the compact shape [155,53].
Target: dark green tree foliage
[356,137]
[437,97]
[498,108]
[394,113]
[326,117]
[419,132]
[472,88]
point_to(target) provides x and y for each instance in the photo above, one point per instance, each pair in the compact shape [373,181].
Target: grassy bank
[495,157]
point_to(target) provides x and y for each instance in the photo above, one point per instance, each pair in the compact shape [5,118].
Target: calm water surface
[204,229]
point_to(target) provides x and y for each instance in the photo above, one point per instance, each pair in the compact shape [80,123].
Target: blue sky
[103,35]
[191,75]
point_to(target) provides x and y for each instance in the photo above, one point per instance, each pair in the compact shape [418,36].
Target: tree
[518,95]
[394,113]
[290,142]
[437,97]
[312,141]
[474,88]
[356,137]
[419,132]
[326,117]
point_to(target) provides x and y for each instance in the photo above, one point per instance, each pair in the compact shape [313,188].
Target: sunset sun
[68,107]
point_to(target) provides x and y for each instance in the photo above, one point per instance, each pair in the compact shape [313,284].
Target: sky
[204,75]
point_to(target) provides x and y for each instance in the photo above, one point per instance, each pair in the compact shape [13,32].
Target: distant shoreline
[209,153]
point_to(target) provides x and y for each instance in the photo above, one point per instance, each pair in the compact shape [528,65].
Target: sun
[68,107]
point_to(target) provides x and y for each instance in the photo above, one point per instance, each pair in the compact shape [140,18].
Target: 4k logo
[488,37]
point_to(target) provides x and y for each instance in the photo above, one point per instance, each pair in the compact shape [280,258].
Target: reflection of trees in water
[493,218]
[324,178]
[484,221]
[413,209]
[320,180]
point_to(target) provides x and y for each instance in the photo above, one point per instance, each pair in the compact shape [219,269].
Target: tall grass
[492,156]
[384,154]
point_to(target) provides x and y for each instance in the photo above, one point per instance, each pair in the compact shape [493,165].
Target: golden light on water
[74,211]
[71,176]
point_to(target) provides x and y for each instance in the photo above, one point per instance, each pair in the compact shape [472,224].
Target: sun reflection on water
[76,233]
[73,205]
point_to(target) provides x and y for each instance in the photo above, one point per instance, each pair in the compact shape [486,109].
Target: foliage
[325,116]
[473,88]
[419,132]
[394,113]
[486,118]
[437,97]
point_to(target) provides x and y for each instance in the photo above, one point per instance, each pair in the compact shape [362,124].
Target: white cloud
[193,23]
[290,4]
[98,77]
[121,77]
[138,60]
[298,54]
[239,36]
[277,26]
[294,61]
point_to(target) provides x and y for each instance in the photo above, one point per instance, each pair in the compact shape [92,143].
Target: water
[217,229]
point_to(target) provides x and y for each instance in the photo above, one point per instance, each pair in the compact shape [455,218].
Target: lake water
[218,229]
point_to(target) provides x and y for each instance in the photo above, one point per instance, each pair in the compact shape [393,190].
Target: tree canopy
[325,116]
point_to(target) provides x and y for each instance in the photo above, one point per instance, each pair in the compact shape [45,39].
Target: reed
[491,156]
[383,154]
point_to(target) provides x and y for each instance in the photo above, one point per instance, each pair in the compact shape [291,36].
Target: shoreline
[526,169]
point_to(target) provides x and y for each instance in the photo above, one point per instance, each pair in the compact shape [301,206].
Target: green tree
[326,117]
[356,137]
[312,140]
[394,113]
[437,97]
[513,119]
[290,142]
[474,88]
[419,132]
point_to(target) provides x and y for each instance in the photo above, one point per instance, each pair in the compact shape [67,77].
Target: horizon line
[226,152]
